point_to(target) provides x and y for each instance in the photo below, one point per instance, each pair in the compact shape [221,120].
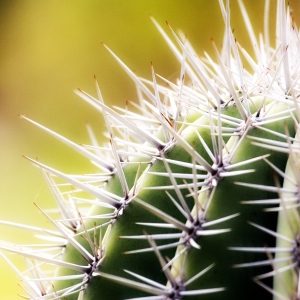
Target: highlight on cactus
[197,194]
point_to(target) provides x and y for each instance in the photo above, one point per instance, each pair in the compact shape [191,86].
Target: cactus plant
[198,189]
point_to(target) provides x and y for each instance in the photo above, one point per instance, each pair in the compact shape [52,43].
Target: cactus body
[198,193]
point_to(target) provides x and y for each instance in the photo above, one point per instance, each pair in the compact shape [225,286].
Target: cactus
[197,193]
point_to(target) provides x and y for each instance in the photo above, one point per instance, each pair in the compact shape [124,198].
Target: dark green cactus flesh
[197,195]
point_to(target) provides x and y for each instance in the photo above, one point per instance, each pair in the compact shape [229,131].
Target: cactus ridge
[197,194]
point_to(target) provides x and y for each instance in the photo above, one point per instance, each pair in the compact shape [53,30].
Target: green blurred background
[47,49]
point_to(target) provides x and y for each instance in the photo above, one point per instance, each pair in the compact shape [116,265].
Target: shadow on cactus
[197,193]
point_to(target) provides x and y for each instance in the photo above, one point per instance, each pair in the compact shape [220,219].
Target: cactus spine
[197,195]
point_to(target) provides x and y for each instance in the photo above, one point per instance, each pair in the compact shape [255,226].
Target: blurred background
[49,48]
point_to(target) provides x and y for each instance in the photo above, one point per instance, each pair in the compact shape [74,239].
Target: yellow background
[47,49]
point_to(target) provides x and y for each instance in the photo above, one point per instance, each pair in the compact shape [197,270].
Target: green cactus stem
[197,194]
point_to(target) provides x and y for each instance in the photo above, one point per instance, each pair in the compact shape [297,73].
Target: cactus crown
[197,193]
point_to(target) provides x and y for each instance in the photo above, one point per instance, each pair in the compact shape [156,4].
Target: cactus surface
[197,193]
